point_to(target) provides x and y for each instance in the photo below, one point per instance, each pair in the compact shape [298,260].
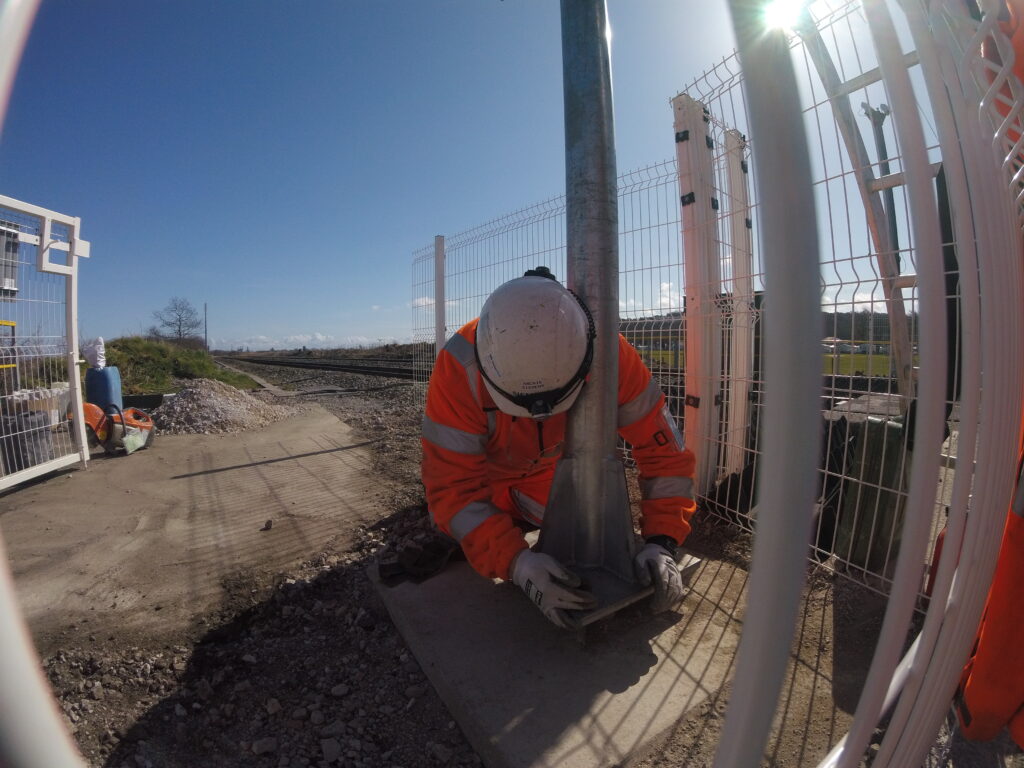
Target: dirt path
[157,542]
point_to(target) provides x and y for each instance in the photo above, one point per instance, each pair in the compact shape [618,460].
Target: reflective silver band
[469,518]
[666,487]
[462,351]
[532,510]
[453,439]
[639,406]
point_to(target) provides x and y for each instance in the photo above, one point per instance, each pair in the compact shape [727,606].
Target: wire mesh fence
[692,294]
[38,383]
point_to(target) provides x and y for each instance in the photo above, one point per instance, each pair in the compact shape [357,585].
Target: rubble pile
[208,407]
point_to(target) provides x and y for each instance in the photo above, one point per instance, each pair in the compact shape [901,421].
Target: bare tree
[179,320]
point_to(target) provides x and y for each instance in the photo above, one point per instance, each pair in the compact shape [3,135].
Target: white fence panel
[39,379]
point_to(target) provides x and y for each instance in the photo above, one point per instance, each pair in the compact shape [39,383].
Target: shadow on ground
[312,673]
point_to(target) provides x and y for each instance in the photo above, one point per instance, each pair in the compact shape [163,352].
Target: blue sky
[281,160]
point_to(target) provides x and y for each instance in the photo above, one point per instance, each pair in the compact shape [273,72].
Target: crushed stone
[211,407]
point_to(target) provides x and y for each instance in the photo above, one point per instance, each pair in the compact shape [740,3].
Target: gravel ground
[305,668]
[208,407]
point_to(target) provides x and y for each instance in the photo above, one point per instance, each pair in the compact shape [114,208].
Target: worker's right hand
[550,586]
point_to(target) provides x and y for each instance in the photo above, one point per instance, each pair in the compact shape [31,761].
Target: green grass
[850,364]
[148,366]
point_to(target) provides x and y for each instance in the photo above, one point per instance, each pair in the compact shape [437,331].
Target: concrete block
[529,695]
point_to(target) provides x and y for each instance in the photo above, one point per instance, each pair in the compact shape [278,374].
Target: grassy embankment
[148,366]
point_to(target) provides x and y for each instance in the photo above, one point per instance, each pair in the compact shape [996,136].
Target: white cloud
[669,297]
[863,301]
[315,339]
[375,307]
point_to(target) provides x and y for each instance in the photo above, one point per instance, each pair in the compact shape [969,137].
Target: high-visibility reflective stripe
[639,406]
[669,422]
[467,519]
[532,510]
[459,348]
[666,487]
[453,439]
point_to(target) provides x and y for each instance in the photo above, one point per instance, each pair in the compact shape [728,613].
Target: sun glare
[783,14]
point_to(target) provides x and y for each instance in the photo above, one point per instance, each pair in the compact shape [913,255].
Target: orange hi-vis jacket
[991,692]
[483,469]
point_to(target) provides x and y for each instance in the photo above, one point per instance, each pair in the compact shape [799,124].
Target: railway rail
[838,387]
[409,370]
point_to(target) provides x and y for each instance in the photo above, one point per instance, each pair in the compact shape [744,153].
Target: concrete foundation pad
[528,694]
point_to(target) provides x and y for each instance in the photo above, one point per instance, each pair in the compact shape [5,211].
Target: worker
[494,428]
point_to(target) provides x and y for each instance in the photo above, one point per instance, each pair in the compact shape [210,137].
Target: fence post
[440,328]
[71,310]
[741,337]
[698,211]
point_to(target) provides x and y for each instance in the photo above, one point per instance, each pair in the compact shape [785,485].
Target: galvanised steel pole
[587,523]
[592,232]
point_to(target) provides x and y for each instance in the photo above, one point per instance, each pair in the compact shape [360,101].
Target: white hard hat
[534,343]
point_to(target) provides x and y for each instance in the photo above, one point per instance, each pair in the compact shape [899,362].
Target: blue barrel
[103,387]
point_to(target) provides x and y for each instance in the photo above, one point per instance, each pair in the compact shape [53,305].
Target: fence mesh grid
[34,384]
[868,297]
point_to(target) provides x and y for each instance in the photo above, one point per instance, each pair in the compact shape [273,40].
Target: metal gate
[41,425]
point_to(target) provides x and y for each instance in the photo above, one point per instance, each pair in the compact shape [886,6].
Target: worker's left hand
[655,563]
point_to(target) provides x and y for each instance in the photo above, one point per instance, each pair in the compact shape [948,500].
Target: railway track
[409,370]
[671,382]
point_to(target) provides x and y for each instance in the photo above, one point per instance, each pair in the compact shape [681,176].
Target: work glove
[656,563]
[550,586]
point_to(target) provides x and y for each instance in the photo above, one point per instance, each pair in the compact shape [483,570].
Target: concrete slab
[152,540]
[528,695]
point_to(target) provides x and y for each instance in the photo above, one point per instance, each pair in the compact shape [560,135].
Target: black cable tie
[710,142]
[692,401]
[714,203]
[749,223]
[687,199]
[718,400]
[682,136]
[744,167]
